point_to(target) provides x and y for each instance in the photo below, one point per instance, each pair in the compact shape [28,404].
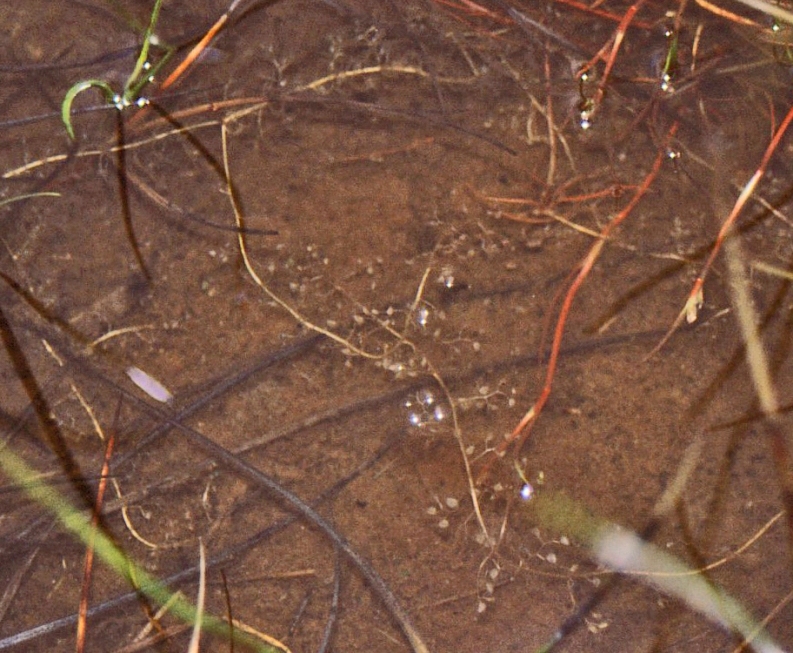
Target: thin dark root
[123,192]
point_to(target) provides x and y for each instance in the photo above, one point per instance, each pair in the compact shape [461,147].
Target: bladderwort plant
[142,74]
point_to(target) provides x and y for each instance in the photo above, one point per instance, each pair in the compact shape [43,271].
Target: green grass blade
[74,91]
[143,56]
[79,525]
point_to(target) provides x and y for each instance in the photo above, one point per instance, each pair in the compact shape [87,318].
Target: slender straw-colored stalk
[772,10]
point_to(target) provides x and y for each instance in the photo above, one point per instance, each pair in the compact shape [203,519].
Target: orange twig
[615,190]
[471,8]
[729,15]
[89,553]
[695,297]
[602,13]
[515,217]
[615,42]
[188,61]
[198,48]
[521,431]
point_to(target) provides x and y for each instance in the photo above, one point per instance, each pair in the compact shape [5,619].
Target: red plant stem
[746,193]
[602,13]
[471,8]
[521,432]
[198,48]
[85,591]
[615,42]
[694,296]
[618,38]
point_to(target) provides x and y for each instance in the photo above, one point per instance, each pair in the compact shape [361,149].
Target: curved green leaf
[74,91]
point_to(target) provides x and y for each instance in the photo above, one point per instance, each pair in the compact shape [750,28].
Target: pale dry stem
[195,637]
[753,539]
[756,357]
[128,520]
[60,158]
[239,222]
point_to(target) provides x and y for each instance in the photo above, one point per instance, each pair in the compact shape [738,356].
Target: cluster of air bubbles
[121,102]
[585,119]
[451,503]
[586,106]
[428,318]
[424,409]
[548,548]
[491,578]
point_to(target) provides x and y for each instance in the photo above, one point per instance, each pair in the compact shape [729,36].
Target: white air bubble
[422,316]
[426,398]
[423,409]
[446,277]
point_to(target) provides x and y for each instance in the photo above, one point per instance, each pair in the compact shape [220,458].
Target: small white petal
[149,385]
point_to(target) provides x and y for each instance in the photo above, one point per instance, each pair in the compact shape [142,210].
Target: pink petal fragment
[149,385]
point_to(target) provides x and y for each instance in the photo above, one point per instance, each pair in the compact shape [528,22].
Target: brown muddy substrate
[370,142]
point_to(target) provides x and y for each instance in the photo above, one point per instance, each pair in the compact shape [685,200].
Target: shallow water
[377,145]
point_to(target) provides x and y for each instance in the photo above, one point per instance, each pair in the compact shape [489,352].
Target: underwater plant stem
[522,430]
[695,296]
[199,47]
[629,554]
[144,52]
[191,573]
[88,565]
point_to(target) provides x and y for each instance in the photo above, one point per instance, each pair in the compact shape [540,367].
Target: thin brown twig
[85,591]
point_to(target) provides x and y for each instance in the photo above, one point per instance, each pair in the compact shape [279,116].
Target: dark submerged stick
[330,625]
[296,504]
[44,412]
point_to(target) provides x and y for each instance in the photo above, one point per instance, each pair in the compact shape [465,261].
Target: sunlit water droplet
[415,419]
[426,398]
[423,409]
[422,316]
